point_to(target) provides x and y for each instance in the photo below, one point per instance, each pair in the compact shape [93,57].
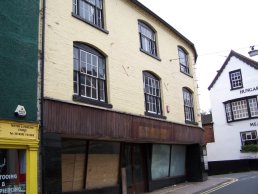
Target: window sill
[186,74]
[191,122]
[154,115]
[236,88]
[243,119]
[153,56]
[92,102]
[93,25]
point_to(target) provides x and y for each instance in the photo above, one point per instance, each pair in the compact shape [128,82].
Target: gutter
[42,97]
[167,25]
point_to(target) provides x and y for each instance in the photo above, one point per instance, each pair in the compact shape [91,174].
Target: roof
[137,3]
[243,58]
[206,119]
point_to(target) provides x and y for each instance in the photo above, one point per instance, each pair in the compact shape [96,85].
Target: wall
[227,135]
[125,62]
[18,57]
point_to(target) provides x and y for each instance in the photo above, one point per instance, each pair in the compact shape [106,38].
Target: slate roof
[243,58]
[206,119]
[166,24]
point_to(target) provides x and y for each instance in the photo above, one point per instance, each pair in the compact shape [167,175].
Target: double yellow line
[231,181]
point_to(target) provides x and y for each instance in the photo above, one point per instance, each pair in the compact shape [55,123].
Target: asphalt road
[243,184]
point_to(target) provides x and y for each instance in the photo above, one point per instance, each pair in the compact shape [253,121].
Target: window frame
[185,65]
[156,94]
[151,41]
[232,82]
[78,96]
[189,106]
[76,13]
[228,105]
[246,139]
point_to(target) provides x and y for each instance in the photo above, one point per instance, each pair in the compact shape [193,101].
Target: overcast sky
[215,27]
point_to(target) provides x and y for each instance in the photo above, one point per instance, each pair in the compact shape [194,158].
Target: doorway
[135,168]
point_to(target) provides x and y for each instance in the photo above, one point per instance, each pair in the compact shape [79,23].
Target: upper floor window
[183,61]
[241,109]
[152,94]
[89,77]
[89,10]
[236,79]
[249,137]
[188,105]
[147,39]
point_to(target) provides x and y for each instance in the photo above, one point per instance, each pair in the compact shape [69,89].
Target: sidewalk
[213,182]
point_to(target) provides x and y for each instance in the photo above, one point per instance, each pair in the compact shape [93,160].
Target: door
[135,168]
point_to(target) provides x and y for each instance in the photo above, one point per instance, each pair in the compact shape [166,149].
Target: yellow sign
[16,130]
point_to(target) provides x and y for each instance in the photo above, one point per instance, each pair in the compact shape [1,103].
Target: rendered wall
[18,57]
[125,62]
[227,135]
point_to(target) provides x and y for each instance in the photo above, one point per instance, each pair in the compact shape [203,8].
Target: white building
[234,95]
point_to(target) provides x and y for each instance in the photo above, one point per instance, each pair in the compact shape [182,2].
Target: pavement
[212,184]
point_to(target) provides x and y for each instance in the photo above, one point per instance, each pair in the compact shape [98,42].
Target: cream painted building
[119,81]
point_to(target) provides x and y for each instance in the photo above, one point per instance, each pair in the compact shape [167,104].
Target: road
[240,184]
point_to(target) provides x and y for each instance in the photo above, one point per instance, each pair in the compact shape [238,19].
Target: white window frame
[188,105]
[241,109]
[248,136]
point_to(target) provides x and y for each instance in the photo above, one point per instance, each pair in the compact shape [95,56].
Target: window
[13,171]
[89,10]
[240,109]
[167,161]
[188,105]
[147,39]
[183,61]
[249,137]
[152,94]
[236,79]
[89,78]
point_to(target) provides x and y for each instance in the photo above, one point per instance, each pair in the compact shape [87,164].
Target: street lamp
[253,52]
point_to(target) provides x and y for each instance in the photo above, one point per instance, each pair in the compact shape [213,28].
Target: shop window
[12,171]
[177,163]
[160,161]
[167,161]
[89,165]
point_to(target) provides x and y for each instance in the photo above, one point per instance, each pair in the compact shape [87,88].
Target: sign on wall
[16,130]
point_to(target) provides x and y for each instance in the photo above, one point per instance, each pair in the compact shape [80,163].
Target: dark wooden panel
[88,122]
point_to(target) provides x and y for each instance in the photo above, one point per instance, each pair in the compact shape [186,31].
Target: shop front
[18,157]
[119,153]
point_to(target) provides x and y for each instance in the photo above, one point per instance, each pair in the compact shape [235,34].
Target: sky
[215,27]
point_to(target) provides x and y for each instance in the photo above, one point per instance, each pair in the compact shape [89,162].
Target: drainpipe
[42,99]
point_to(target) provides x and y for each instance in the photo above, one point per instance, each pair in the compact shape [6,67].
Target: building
[207,124]
[18,85]
[233,94]
[120,110]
